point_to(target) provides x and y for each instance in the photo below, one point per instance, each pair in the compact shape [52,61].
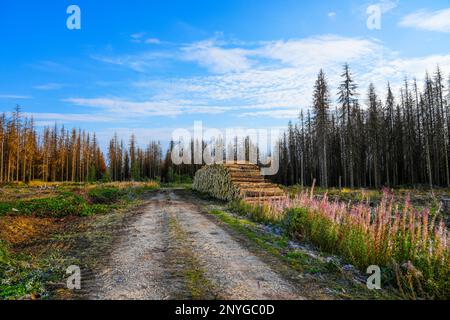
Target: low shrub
[17,278]
[105,195]
[78,201]
[59,206]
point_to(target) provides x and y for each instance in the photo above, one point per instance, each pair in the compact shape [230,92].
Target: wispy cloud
[397,69]
[385,6]
[52,66]
[388,5]
[321,50]
[152,41]
[14,97]
[67,117]
[275,75]
[220,57]
[138,35]
[279,114]
[142,38]
[140,62]
[264,79]
[428,20]
[216,58]
[137,109]
[50,86]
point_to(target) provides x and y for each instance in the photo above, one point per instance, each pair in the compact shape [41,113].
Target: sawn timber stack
[237,182]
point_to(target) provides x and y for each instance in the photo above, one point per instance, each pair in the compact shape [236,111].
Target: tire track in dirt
[233,271]
[135,270]
[172,251]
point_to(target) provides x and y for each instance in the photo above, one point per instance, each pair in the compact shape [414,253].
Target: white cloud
[262,89]
[281,90]
[14,97]
[137,109]
[388,5]
[385,6]
[331,14]
[278,114]
[271,79]
[428,20]
[67,117]
[139,62]
[152,41]
[54,67]
[397,69]
[279,79]
[50,86]
[217,59]
[222,59]
[138,35]
[321,50]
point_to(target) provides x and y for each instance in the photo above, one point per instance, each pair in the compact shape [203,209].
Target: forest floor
[171,244]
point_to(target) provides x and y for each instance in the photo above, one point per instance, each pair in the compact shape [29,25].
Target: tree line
[58,155]
[130,162]
[355,142]
[367,142]
[52,155]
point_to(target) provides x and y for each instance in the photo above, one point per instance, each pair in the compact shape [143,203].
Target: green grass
[27,276]
[105,195]
[61,205]
[75,201]
[17,278]
[177,185]
[261,213]
[320,231]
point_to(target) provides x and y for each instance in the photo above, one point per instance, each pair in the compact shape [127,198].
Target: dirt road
[172,250]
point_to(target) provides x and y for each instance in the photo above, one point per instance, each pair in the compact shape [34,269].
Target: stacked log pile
[236,181]
[215,180]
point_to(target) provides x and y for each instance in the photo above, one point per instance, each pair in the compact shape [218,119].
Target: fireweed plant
[410,245]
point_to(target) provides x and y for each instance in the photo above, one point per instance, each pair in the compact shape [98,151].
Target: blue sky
[149,67]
